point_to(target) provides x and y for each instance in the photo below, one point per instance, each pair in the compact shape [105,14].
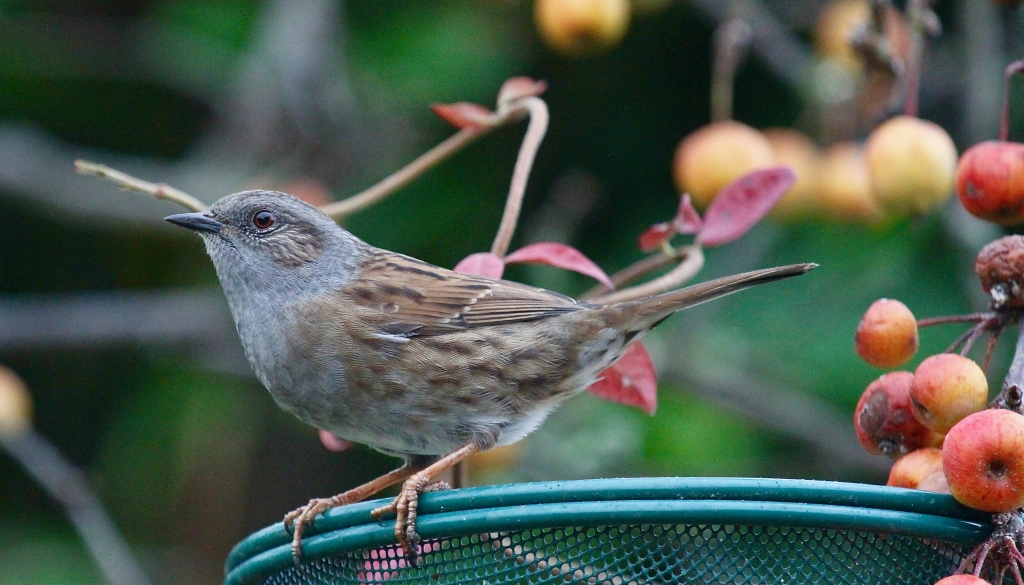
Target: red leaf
[481,264]
[687,220]
[463,114]
[630,380]
[562,256]
[655,236]
[743,203]
[333,443]
[520,87]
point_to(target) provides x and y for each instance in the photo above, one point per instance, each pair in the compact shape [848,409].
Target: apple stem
[1011,70]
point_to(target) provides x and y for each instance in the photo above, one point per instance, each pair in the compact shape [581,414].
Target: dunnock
[413,360]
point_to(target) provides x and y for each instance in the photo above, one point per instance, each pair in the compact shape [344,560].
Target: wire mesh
[645,554]
[653,531]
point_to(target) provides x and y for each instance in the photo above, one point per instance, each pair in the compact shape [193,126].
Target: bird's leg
[407,501]
[299,518]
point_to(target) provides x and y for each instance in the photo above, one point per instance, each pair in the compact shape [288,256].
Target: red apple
[883,421]
[990,181]
[962,579]
[935,482]
[887,334]
[983,459]
[946,388]
[911,469]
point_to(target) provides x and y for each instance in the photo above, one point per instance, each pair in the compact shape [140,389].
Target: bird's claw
[296,521]
[405,507]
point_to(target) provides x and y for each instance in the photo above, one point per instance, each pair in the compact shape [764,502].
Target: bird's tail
[645,313]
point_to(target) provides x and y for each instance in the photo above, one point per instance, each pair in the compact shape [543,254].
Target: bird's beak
[200,222]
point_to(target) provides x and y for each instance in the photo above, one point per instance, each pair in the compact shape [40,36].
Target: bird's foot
[298,519]
[405,509]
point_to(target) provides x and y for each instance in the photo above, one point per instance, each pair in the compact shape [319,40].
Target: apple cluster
[937,422]
[934,421]
[907,166]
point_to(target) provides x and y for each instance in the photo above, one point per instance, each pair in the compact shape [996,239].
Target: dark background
[134,366]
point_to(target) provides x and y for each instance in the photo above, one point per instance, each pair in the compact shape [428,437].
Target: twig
[632,272]
[406,174]
[972,318]
[66,484]
[692,262]
[538,126]
[130,183]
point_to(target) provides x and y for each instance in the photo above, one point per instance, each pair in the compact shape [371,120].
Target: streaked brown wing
[423,299]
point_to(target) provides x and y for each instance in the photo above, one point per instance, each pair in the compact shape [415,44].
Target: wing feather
[420,299]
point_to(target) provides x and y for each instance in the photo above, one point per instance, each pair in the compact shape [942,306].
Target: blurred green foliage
[190,453]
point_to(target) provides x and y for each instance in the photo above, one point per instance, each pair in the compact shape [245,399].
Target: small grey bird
[411,359]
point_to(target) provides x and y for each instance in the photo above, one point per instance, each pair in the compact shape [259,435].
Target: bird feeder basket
[634,532]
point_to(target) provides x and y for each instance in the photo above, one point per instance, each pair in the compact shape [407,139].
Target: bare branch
[66,484]
[130,183]
[406,174]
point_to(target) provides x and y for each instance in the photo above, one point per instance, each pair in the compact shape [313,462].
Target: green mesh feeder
[638,531]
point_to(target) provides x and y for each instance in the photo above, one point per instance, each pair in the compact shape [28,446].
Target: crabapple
[983,459]
[911,469]
[581,27]
[887,334]
[15,404]
[912,164]
[883,421]
[711,157]
[990,181]
[843,184]
[1000,266]
[946,388]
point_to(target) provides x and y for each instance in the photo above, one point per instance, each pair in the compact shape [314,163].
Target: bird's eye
[263,219]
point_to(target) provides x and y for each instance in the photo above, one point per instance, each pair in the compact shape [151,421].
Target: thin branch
[691,265]
[406,174]
[130,183]
[538,126]
[633,271]
[972,318]
[67,485]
